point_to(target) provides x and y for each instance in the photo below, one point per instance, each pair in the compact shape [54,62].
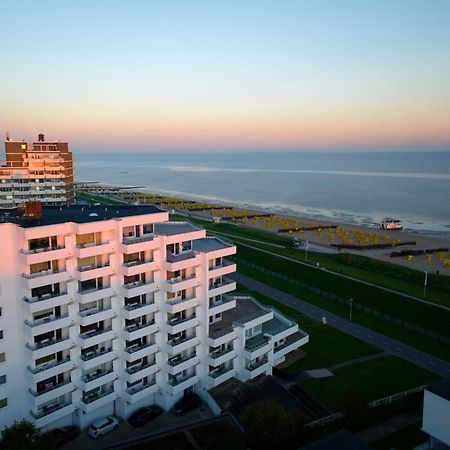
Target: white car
[103,426]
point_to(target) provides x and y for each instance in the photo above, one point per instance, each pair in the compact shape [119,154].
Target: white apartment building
[104,310]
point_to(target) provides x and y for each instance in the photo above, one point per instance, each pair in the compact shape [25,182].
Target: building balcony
[135,244]
[49,346]
[257,346]
[254,369]
[96,379]
[93,249]
[134,310]
[139,351]
[179,283]
[49,323]
[220,270]
[139,288]
[217,338]
[292,342]
[44,254]
[136,331]
[96,358]
[135,373]
[93,294]
[218,357]
[180,363]
[179,304]
[34,280]
[226,285]
[178,345]
[94,315]
[180,383]
[91,402]
[51,369]
[96,337]
[136,267]
[176,325]
[94,271]
[136,393]
[219,376]
[51,392]
[49,414]
[181,261]
[223,305]
[47,301]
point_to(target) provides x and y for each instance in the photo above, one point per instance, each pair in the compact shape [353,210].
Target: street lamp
[425,282]
[351,309]
[306,249]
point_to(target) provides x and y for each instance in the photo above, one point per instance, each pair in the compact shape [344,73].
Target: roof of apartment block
[275,326]
[441,388]
[52,215]
[209,244]
[246,309]
[172,228]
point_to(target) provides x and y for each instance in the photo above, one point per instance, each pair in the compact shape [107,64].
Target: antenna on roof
[7,136]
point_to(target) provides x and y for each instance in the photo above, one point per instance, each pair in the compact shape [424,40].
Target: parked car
[144,415]
[103,426]
[186,404]
[65,434]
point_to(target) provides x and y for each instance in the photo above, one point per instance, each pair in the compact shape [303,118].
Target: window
[1,311]
[2,379]
[2,358]
[3,403]
[1,335]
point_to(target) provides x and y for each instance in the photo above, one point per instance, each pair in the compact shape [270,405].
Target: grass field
[327,345]
[368,381]
[406,439]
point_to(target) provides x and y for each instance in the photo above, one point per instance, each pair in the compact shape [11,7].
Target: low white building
[107,309]
[436,414]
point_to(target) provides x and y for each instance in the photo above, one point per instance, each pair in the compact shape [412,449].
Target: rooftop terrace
[210,244]
[172,228]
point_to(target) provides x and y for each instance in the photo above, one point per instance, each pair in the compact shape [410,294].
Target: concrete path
[350,362]
[387,344]
[417,299]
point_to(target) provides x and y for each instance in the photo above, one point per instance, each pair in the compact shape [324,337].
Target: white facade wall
[140,336]
[436,417]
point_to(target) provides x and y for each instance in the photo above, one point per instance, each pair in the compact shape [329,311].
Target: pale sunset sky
[227,75]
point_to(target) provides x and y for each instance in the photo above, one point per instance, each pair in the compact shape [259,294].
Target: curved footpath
[389,345]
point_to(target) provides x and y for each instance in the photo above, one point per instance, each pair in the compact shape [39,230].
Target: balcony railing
[137,262]
[180,379]
[92,289]
[255,365]
[91,244]
[90,312]
[218,353]
[224,263]
[180,359]
[46,410]
[91,355]
[92,267]
[178,300]
[138,326]
[44,320]
[48,365]
[49,388]
[127,240]
[177,320]
[135,348]
[43,273]
[134,369]
[256,342]
[180,340]
[218,372]
[180,279]
[137,305]
[89,398]
[93,333]
[40,298]
[180,257]
[42,250]
[141,387]
[95,375]
[224,299]
[46,343]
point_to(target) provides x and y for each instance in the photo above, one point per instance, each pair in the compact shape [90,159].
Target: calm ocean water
[356,188]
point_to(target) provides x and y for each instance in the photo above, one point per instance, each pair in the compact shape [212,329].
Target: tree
[24,435]
[268,426]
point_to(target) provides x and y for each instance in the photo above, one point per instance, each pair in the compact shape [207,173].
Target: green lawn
[327,345]
[412,338]
[368,381]
[405,439]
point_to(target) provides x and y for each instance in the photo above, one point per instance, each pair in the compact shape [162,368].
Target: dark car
[145,415]
[65,434]
[186,404]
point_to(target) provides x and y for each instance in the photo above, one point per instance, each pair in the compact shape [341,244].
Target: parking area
[165,422]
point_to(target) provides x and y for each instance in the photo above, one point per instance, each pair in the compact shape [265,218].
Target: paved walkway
[350,362]
[387,344]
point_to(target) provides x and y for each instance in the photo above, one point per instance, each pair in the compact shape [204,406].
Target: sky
[227,75]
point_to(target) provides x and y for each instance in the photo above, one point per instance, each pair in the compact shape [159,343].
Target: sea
[359,188]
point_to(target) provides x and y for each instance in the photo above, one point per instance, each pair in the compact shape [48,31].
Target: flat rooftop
[172,228]
[209,244]
[246,309]
[275,326]
[52,215]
